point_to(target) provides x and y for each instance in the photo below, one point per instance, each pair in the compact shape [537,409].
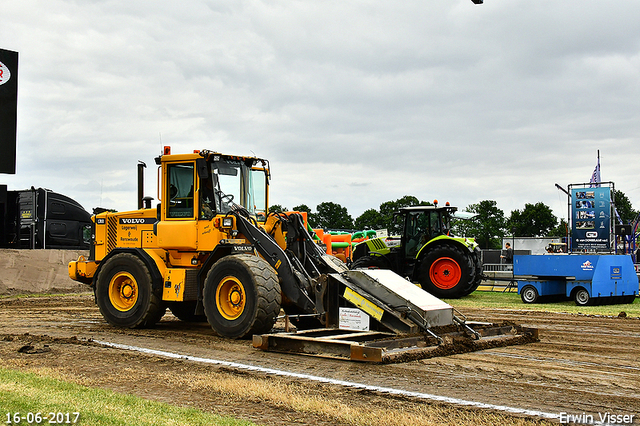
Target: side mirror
[202,168]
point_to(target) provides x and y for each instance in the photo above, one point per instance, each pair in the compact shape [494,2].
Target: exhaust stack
[141,167]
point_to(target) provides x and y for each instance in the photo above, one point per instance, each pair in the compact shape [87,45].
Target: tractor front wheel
[446,271]
[241,296]
[370,262]
[125,295]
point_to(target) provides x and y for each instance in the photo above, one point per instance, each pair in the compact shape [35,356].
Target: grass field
[27,398]
[498,300]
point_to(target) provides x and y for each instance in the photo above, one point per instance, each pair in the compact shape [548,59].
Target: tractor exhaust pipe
[141,167]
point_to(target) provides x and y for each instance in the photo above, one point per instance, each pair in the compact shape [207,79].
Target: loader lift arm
[299,266]
[294,284]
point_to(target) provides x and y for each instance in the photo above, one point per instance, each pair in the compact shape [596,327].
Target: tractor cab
[422,224]
[444,265]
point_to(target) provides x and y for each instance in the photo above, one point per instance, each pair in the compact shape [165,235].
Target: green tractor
[426,253]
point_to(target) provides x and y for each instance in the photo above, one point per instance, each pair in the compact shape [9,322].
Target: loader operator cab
[221,183]
[238,183]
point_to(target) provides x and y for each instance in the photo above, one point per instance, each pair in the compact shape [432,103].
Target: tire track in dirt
[581,364]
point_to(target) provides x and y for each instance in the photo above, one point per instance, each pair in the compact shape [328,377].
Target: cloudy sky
[355,102]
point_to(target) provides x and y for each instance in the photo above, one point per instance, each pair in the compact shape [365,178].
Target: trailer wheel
[582,298]
[125,295]
[186,311]
[446,271]
[529,294]
[241,296]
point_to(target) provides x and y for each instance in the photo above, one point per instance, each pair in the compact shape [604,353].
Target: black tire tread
[369,261]
[154,309]
[268,296]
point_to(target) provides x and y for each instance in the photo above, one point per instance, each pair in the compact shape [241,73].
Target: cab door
[177,228]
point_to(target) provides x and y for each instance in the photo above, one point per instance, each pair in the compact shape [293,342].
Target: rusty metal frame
[382,347]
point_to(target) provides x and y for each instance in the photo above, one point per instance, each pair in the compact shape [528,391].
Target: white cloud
[352,102]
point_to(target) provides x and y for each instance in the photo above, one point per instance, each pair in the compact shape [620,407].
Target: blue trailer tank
[586,278]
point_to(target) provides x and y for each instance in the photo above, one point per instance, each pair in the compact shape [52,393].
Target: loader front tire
[446,271]
[241,296]
[125,295]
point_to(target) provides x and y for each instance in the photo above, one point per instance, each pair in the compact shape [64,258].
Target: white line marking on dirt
[392,391]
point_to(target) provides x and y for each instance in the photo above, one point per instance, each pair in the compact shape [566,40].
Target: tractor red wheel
[446,271]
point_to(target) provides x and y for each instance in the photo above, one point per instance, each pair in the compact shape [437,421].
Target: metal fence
[496,267]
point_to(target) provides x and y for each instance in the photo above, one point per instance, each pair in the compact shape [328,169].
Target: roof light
[167,150]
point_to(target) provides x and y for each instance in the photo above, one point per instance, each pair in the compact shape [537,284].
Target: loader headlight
[227,222]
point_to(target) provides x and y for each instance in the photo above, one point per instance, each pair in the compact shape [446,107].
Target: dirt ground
[582,364]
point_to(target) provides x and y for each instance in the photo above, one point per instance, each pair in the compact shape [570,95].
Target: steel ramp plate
[398,293]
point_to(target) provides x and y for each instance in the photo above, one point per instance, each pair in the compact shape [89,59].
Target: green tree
[387,209]
[277,208]
[535,220]
[332,216]
[370,219]
[487,227]
[302,208]
[560,231]
[624,207]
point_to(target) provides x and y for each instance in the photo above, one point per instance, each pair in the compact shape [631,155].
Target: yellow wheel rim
[123,291]
[230,298]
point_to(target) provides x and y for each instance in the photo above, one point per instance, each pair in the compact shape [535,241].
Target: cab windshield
[236,184]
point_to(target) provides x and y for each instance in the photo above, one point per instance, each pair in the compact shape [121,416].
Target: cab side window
[180,190]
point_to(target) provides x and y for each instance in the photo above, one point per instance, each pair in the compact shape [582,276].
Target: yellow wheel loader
[212,251]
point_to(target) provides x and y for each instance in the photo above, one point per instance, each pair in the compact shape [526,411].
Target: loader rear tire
[446,271]
[242,296]
[186,311]
[125,295]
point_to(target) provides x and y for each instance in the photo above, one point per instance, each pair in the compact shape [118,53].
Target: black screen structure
[8,110]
